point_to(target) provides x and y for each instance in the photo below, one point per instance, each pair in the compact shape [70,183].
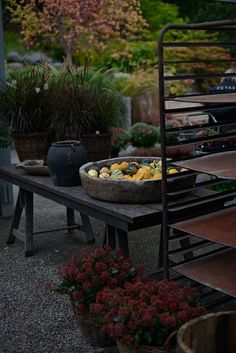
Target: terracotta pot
[92,330]
[32,146]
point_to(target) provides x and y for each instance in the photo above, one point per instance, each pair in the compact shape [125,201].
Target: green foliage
[189,8]
[138,83]
[219,11]
[144,135]
[123,56]
[26,102]
[88,101]
[157,14]
[226,186]
[5,133]
[12,42]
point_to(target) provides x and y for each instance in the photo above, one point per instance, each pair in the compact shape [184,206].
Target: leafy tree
[189,8]
[76,23]
[157,13]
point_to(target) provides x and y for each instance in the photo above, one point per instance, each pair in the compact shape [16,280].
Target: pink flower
[119,329]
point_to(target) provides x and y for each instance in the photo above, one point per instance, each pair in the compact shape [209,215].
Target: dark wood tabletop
[125,216]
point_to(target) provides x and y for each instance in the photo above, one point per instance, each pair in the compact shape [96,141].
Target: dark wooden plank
[77,195]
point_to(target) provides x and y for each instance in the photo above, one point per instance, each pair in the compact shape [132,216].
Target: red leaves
[75,24]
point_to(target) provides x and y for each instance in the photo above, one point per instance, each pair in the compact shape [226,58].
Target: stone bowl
[126,191]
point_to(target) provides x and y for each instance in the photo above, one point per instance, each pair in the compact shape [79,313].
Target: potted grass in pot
[26,101]
[90,106]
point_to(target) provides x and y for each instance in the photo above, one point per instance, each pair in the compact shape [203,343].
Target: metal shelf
[218,227]
[215,271]
[211,218]
[220,98]
[220,164]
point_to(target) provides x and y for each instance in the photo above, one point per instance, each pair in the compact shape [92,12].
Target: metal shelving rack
[190,246]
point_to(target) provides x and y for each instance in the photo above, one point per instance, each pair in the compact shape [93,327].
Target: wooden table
[119,218]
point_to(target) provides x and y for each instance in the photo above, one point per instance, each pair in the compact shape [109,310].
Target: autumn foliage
[77,23]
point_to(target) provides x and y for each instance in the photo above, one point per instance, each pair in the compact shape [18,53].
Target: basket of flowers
[84,276]
[144,317]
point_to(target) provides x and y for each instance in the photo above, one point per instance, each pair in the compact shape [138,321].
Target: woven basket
[92,330]
[98,146]
[32,146]
[168,347]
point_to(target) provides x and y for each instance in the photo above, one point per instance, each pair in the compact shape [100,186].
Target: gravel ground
[32,318]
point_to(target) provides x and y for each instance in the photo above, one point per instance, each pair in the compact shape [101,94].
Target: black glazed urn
[64,160]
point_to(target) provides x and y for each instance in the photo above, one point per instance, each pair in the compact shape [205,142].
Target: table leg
[123,242]
[70,216]
[115,238]
[16,217]
[110,236]
[29,247]
[161,248]
[87,228]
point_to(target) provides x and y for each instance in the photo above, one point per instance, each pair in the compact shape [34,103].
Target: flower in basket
[146,313]
[87,273]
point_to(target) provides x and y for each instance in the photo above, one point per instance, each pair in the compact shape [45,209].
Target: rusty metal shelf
[220,98]
[220,164]
[218,227]
[215,271]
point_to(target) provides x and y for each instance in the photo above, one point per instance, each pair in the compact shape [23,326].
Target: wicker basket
[32,146]
[98,146]
[92,330]
[168,347]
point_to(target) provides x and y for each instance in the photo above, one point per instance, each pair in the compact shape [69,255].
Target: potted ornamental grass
[89,106]
[87,274]
[26,101]
[143,317]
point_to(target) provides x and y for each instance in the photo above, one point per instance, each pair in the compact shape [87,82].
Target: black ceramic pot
[64,160]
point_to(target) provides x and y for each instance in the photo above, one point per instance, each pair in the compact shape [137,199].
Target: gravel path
[32,318]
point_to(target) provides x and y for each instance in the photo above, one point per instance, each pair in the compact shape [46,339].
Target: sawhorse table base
[25,201]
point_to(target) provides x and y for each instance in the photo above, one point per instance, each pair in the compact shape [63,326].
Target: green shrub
[144,135]
[138,83]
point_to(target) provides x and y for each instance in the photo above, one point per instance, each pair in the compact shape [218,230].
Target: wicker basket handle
[170,343]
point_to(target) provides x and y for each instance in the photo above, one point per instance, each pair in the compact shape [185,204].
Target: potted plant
[144,135]
[119,141]
[26,102]
[144,317]
[89,107]
[84,276]
[142,87]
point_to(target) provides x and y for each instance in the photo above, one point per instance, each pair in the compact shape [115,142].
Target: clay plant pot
[32,146]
